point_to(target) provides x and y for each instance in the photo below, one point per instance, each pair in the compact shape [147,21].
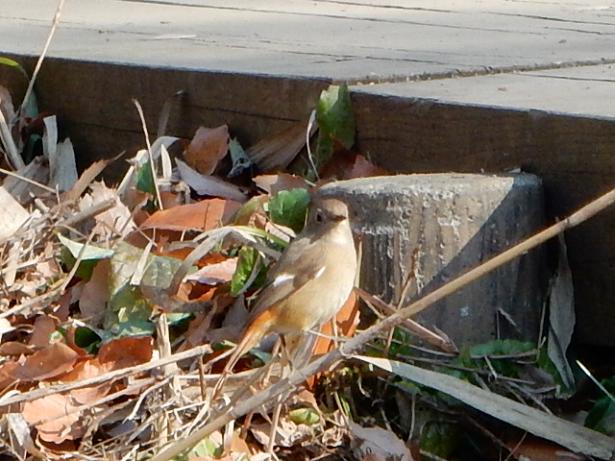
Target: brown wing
[301,262]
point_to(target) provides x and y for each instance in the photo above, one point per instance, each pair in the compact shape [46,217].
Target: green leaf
[601,417]
[205,449]
[304,416]
[241,161]
[87,339]
[85,269]
[335,121]
[158,273]
[146,183]
[129,313]
[90,252]
[440,438]
[289,208]
[501,347]
[248,258]
[14,64]
[90,257]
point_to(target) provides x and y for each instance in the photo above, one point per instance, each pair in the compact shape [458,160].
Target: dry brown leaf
[116,220]
[41,333]
[207,148]
[9,206]
[203,215]
[350,165]
[215,274]
[126,352]
[55,417]
[95,293]
[52,361]
[86,178]
[16,348]
[208,185]
[37,170]
[274,183]
[378,441]
[277,151]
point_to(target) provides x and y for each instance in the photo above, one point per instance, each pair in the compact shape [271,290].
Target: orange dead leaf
[203,215]
[350,165]
[126,352]
[207,148]
[15,348]
[274,183]
[43,327]
[215,274]
[55,417]
[47,363]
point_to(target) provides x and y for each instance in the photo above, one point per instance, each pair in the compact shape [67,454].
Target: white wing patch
[282,278]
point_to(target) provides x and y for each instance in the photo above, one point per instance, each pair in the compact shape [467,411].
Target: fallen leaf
[208,185]
[55,417]
[44,326]
[52,361]
[86,178]
[63,170]
[15,348]
[215,274]
[37,170]
[277,151]
[377,441]
[203,215]
[95,293]
[126,352]
[10,207]
[207,148]
[350,165]
[116,220]
[274,183]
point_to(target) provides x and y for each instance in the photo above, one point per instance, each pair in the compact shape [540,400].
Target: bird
[309,283]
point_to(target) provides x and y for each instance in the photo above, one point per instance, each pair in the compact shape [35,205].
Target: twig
[9,144]
[110,376]
[414,327]
[150,154]
[89,212]
[595,381]
[39,63]
[28,180]
[358,341]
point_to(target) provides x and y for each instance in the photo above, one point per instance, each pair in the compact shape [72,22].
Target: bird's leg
[274,353]
[284,372]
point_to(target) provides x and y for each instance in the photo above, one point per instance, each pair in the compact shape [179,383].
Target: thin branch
[39,63]
[150,154]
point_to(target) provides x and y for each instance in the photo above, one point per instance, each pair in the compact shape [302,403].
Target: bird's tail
[252,335]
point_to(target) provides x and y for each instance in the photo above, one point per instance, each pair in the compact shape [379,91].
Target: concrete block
[433,227]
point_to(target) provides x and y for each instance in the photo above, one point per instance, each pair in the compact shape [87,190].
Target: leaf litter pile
[119,305]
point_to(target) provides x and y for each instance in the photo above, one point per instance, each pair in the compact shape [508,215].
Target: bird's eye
[319,216]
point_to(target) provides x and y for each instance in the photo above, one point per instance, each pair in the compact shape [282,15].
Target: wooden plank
[94,103]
